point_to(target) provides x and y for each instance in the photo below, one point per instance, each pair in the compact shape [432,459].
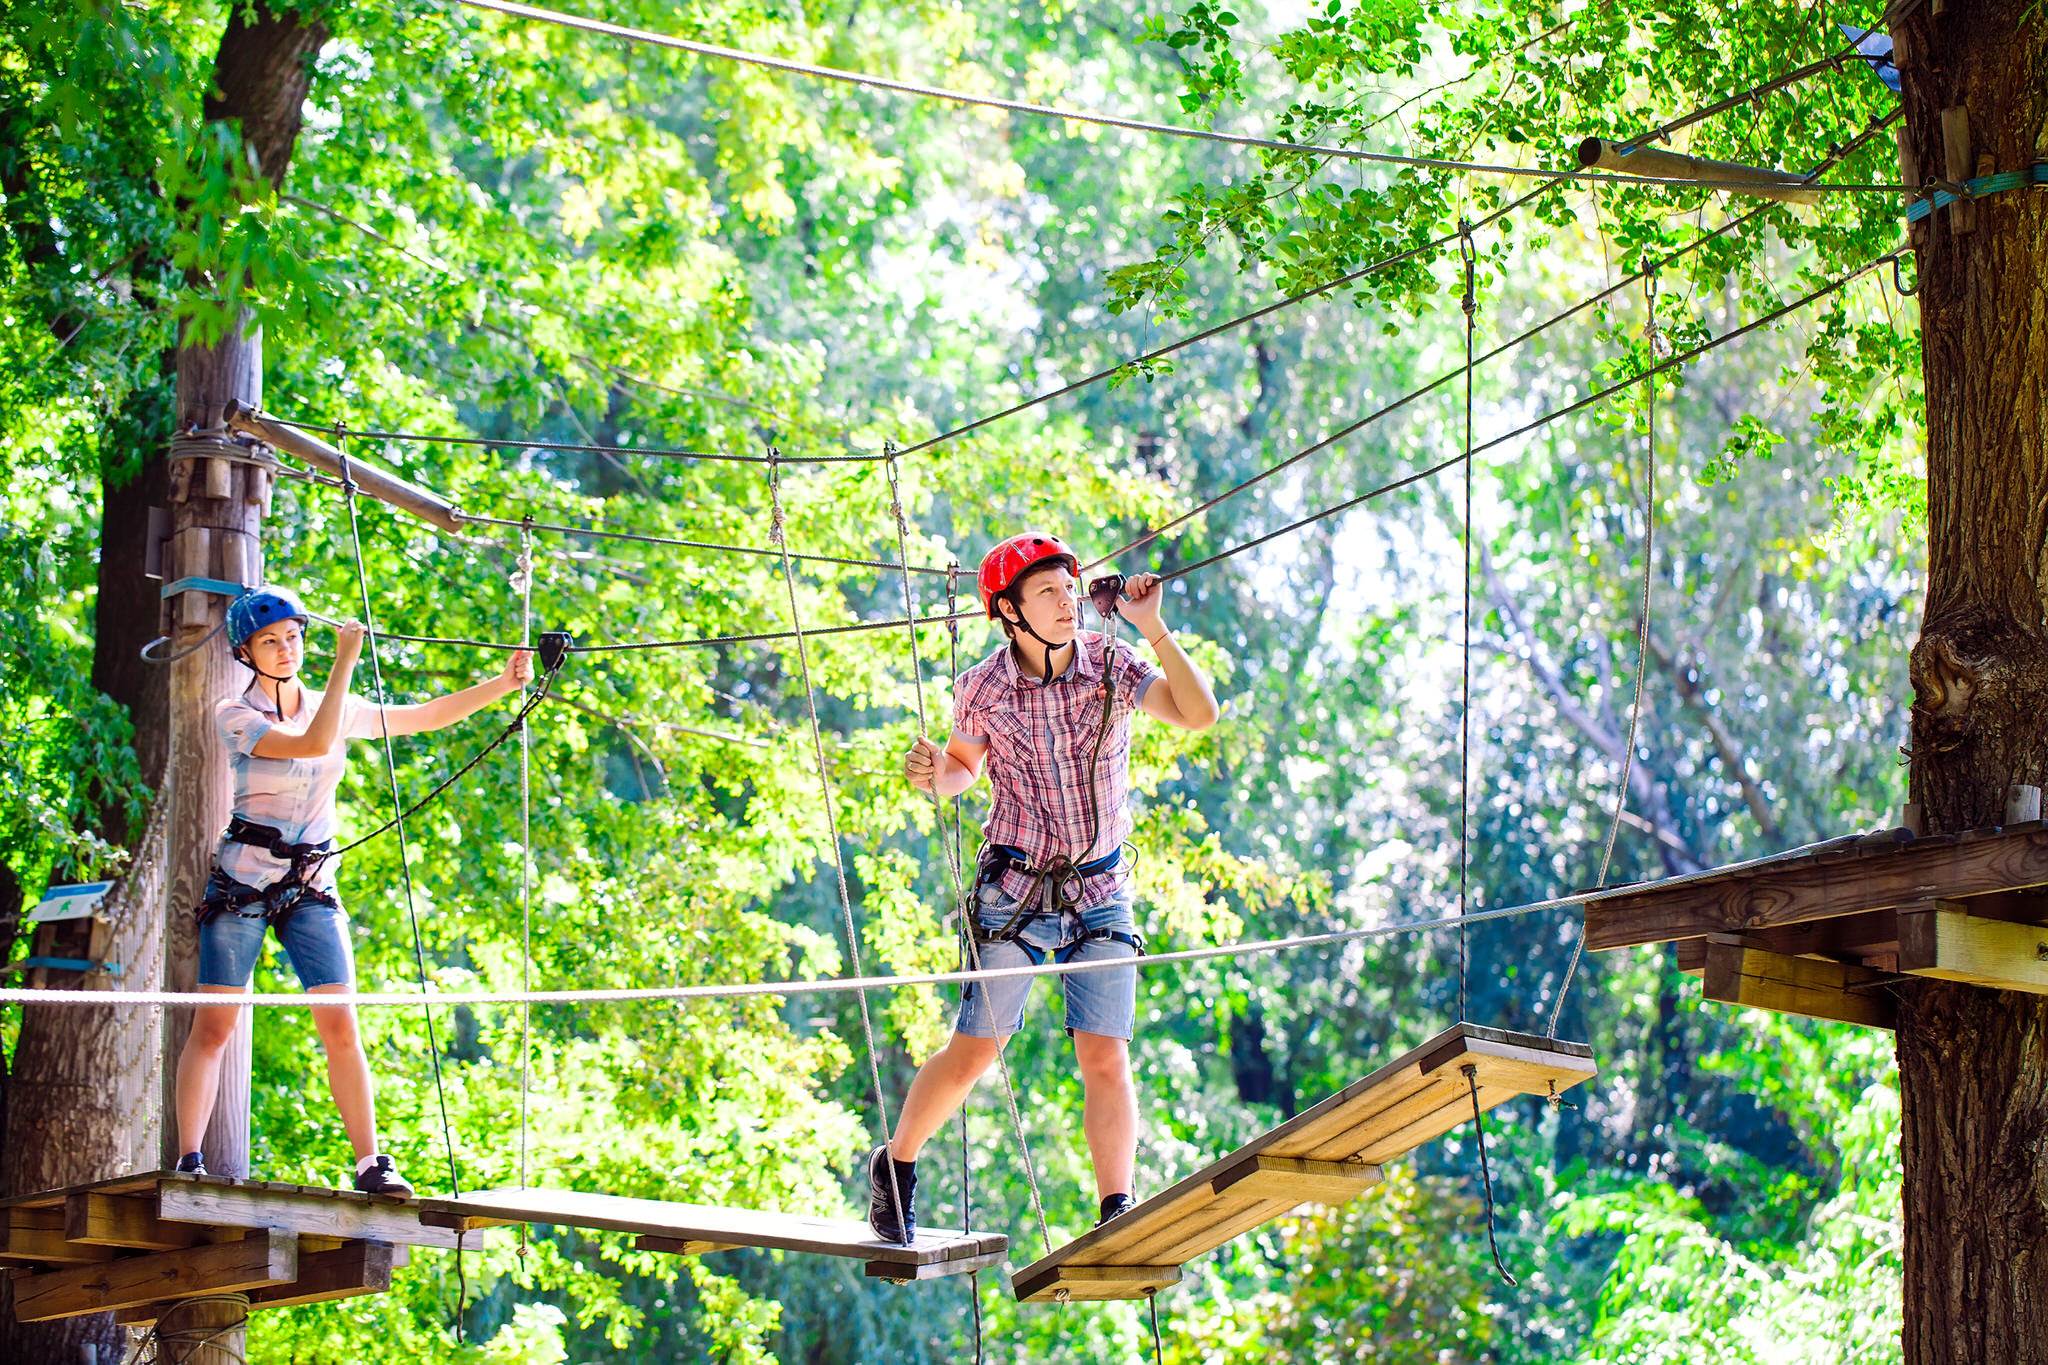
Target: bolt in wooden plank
[1952,945]
[1094,1283]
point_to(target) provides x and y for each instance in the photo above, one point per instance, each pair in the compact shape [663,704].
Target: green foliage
[502,230]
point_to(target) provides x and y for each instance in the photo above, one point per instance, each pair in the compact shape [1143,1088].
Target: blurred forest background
[494,228]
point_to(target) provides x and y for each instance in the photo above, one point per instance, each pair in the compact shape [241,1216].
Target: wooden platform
[698,1229]
[1325,1155]
[135,1244]
[1821,930]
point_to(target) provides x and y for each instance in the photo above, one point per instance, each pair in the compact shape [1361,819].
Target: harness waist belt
[1008,859]
[271,839]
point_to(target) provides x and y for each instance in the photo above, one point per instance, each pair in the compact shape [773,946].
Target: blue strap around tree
[2036,174]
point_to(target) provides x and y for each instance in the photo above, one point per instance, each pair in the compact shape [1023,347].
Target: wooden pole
[1599,154]
[219,494]
[248,420]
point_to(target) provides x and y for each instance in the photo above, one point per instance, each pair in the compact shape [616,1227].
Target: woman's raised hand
[518,670]
[348,640]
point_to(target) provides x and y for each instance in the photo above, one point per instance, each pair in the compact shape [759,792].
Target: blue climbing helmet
[260,607]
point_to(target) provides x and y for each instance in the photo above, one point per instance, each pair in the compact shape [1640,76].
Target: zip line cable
[1876,126]
[569,447]
[650,538]
[1556,414]
[933,92]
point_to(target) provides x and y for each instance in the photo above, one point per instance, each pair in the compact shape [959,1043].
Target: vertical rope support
[1470,305]
[525,864]
[955,859]
[1654,335]
[1485,1172]
[419,949]
[1158,1346]
[780,538]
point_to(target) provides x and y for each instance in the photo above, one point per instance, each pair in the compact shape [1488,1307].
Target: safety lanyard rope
[419,949]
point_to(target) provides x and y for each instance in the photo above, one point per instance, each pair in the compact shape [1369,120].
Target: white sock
[367,1162]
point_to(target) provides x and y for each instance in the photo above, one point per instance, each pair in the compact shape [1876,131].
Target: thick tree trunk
[84,1103]
[1973,1064]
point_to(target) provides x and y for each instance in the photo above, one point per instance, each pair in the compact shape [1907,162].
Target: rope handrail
[570,447]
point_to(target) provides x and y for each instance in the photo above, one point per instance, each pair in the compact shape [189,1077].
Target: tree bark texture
[1973,1064]
[83,1102]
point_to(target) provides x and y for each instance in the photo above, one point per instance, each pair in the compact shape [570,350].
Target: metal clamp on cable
[554,648]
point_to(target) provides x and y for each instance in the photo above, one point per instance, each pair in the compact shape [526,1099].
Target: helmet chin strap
[242,658]
[1045,681]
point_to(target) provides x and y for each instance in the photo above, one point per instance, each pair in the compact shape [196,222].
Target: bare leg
[942,1084]
[348,1070]
[1109,1110]
[199,1066]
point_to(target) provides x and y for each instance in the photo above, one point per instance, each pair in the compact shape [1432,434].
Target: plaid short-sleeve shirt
[1039,738]
[292,795]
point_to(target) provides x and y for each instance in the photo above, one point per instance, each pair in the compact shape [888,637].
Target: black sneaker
[1115,1206]
[192,1163]
[381,1177]
[886,1182]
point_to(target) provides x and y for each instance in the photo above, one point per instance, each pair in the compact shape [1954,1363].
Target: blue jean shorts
[1103,1002]
[315,937]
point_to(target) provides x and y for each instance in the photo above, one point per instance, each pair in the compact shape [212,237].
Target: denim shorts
[1103,1002]
[315,937]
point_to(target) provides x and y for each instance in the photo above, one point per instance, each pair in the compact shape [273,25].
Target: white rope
[741,989]
[831,73]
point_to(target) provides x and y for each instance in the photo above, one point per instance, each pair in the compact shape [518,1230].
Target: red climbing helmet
[1006,563]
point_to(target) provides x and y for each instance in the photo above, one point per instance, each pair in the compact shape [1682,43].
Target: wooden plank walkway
[1327,1155]
[697,1229]
[135,1244]
[1820,930]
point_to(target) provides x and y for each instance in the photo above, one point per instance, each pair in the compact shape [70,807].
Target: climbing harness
[282,898]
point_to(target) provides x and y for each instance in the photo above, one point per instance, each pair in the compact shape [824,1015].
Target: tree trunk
[83,1102]
[1973,1064]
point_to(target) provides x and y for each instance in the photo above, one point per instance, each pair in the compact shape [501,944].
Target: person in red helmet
[1049,717]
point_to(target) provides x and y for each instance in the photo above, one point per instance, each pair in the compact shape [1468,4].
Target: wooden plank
[1307,1182]
[1883,877]
[352,1269]
[1949,943]
[113,1184]
[37,1235]
[123,1220]
[850,1237]
[299,1208]
[679,1246]
[1328,1152]
[318,1281]
[222,1268]
[1737,974]
[1096,1283]
[933,1270]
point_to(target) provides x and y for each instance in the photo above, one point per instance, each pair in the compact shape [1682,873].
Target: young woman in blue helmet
[288,746]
